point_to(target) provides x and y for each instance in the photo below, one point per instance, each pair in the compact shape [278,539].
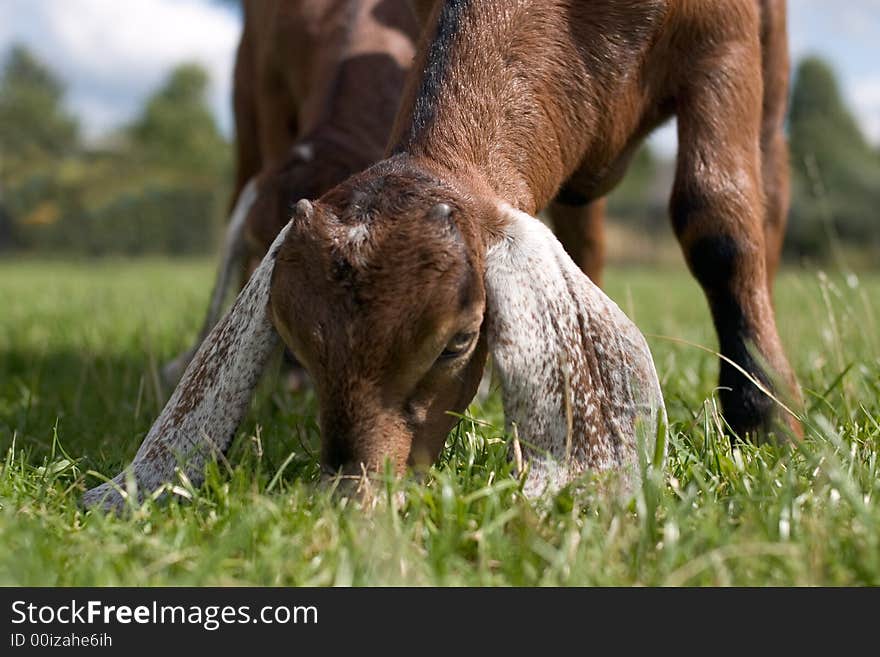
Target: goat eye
[458,345]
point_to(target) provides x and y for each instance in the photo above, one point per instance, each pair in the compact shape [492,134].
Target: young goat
[317,84]
[394,286]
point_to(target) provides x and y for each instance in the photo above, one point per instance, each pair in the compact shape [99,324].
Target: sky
[112,54]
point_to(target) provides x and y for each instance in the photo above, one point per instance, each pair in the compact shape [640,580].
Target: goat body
[537,104]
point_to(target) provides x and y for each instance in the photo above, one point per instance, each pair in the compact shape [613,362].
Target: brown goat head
[396,342]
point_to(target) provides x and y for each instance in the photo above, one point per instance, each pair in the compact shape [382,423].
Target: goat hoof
[754,416]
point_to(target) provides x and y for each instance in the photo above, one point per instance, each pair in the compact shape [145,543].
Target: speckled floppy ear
[577,376]
[200,419]
[230,262]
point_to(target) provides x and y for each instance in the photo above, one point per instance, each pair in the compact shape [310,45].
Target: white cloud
[112,54]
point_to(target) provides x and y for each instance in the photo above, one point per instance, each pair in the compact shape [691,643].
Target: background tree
[176,130]
[158,185]
[33,120]
[835,171]
[176,166]
[37,138]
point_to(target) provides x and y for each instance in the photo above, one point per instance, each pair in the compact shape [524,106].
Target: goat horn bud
[303,209]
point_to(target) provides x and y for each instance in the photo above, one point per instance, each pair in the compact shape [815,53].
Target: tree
[835,170]
[157,186]
[176,167]
[177,129]
[33,121]
[37,137]
[819,121]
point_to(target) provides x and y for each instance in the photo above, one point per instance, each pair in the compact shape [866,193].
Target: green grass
[79,349]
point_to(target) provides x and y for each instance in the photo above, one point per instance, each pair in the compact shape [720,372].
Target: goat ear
[577,376]
[200,419]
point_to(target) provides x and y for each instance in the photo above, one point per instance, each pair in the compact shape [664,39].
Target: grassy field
[79,348]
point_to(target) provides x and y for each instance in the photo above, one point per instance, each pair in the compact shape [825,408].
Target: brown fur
[512,101]
[317,84]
